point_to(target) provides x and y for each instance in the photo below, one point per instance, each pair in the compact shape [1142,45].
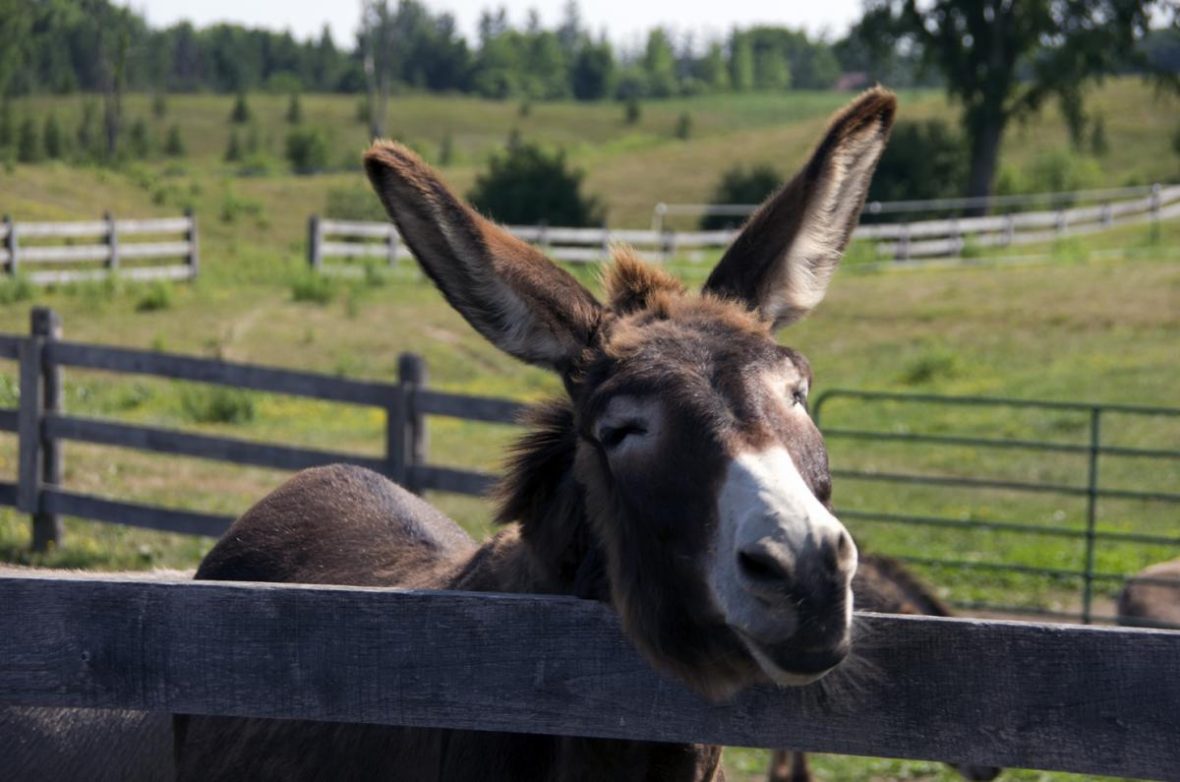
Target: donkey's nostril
[762,567]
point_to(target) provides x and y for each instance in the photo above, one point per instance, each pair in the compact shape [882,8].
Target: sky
[625,21]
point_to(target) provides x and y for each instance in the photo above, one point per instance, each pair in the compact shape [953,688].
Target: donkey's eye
[611,436]
[799,397]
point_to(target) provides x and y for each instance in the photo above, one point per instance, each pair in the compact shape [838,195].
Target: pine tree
[294,110]
[241,111]
[174,144]
[233,150]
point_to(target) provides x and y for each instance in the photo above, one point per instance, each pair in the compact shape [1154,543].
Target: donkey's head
[704,482]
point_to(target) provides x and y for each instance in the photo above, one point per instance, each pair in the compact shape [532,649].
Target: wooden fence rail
[1088,700]
[42,425]
[949,238]
[24,246]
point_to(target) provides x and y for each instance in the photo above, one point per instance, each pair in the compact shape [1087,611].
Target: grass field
[1075,326]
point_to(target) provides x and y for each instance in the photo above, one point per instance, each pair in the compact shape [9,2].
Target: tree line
[62,46]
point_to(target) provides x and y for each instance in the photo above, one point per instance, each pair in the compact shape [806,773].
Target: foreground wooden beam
[1090,700]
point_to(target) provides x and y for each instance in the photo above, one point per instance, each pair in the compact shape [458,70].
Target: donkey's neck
[547,546]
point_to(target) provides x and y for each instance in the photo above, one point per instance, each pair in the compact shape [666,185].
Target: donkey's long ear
[506,289]
[783,259]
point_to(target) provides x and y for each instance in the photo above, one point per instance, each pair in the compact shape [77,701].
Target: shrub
[311,287]
[307,150]
[216,405]
[684,126]
[240,114]
[233,149]
[173,143]
[51,138]
[139,142]
[632,111]
[294,110]
[28,145]
[353,203]
[159,105]
[525,185]
[740,185]
[922,160]
[154,298]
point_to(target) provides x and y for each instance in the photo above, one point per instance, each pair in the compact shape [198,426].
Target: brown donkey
[680,480]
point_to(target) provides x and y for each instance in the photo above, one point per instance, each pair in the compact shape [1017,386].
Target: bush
[353,203]
[294,110]
[526,186]
[216,405]
[632,111]
[139,142]
[233,149]
[52,139]
[155,298]
[684,126]
[312,287]
[740,185]
[173,143]
[28,145]
[922,160]
[159,105]
[307,150]
[240,114]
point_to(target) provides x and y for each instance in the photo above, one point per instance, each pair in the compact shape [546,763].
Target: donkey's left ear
[782,261]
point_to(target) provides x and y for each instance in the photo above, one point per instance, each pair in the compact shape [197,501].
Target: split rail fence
[43,426]
[333,241]
[46,252]
[1088,700]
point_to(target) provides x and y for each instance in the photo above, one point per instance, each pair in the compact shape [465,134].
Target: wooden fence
[950,238]
[25,247]
[42,426]
[1089,700]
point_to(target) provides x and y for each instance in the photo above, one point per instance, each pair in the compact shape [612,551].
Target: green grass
[1096,320]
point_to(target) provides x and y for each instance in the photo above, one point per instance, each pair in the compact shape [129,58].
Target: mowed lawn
[1074,326]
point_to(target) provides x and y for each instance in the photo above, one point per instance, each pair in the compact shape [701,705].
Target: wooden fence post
[411,371]
[112,244]
[194,252]
[12,244]
[314,257]
[46,325]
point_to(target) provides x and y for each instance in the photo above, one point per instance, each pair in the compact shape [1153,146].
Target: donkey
[1152,597]
[882,585]
[679,480]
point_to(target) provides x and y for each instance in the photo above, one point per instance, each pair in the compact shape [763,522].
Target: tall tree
[1002,59]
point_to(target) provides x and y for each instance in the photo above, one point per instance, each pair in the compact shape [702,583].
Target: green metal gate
[1112,468]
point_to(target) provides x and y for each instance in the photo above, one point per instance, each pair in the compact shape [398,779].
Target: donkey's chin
[788,666]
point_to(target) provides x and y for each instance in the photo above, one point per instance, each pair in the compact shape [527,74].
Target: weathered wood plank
[32,352]
[61,276]
[226,449]
[354,250]
[1070,698]
[160,225]
[470,408]
[154,249]
[356,228]
[66,253]
[10,346]
[132,514]
[63,229]
[250,376]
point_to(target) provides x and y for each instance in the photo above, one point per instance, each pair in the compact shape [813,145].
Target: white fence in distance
[49,253]
[904,241]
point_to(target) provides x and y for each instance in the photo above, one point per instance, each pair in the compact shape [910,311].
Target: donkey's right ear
[511,293]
